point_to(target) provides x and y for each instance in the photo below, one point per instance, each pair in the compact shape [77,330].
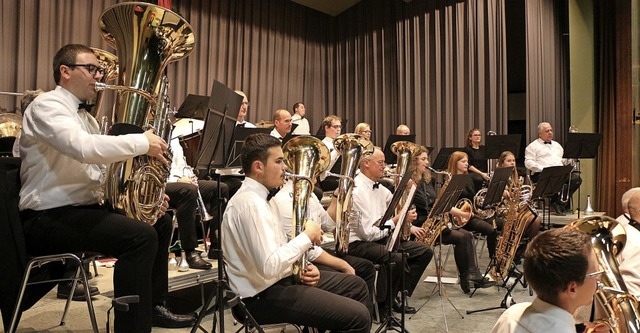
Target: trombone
[188,172]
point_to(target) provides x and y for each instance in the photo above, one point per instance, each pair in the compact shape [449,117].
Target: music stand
[549,183]
[496,187]
[220,125]
[581,145]
[194,106]
[440,163]
[239,135]
[443,205]
[390,157]
[496,144]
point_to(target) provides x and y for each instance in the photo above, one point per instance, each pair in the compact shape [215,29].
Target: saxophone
[405,150]
[434,225]
[608,238]
[306,157]
[517,218]
[353,148]
[147,38]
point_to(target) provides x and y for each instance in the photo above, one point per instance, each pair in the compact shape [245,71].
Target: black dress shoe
[397,307]
[212,254]
[64,289]
[195,261]
[163,317]
[558,209]
[479,281]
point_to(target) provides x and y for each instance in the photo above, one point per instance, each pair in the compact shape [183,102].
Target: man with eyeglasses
[367,240]
[242,113]
[332,125]
[63,161]
[562,269]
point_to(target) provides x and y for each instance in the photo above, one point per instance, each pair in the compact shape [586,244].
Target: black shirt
[477,157]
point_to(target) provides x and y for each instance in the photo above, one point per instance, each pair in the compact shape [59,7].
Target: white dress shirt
[274,133]
[255,247]
[303,125]
[284,201]
[333,153]
[629,258]
[539,155]
[371,203]
[63,154]
[535,317]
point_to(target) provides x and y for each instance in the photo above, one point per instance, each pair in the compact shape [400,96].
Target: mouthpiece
[329,173]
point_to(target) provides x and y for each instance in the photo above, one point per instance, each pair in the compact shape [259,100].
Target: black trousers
[486,229]
[337,303]
[141,250]
[463,251]
[418,258]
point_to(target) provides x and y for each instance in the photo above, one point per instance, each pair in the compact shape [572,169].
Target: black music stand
[443,205]
[239,135]
[390,157]
[496,144]
[581,145]
[549,183]
[214,152]
[496,187]
[194,106]
[440,163]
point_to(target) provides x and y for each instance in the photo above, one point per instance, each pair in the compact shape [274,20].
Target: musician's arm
[334,262]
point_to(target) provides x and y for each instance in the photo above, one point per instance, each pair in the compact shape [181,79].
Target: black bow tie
[376,185]
[547,142]
[272,193]
[85,106]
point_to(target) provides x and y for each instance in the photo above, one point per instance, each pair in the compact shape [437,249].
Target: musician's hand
[311,276]
[157,146]
[485,176]
[411,216]
[418,232]
[596,328]
[164,207]
[187,180]
[313,230]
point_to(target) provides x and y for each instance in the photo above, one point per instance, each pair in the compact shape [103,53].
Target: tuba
[353,148]
[147,38]
[405,150]
[434,225]
[608,238]
[306,157]
[109,62]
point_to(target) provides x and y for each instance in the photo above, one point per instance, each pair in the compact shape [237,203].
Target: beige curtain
[546,95]
[438,66]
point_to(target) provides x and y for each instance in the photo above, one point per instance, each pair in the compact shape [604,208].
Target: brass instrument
[434,225]
[608,238]
[405,150]
[353,148]
[478,201]
[10,124]
[109,62]
[188,172]
[147,38]
[466,206]
[306,157]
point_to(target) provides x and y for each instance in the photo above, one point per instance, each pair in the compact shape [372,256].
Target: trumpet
[187,171]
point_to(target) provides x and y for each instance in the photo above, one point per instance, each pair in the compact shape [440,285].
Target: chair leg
[81,275]
[375,293]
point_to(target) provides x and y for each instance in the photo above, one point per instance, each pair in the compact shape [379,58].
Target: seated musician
[242,113]
[477,160]
[182,188]
[63,157]
[464,251]
[332,128]
[629,256]
[298,118]
[259,255]
[364,130]
[368,241]
[323,258]
[507,159]
[545,152]
[458,165]
[403,129]
[562,269]
[281,124]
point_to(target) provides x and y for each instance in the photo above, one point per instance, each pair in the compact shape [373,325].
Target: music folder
[496,187]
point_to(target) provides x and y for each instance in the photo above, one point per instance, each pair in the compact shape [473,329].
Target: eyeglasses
[336,126]
[594,274]
[380,163]
[366,131]
[91,68]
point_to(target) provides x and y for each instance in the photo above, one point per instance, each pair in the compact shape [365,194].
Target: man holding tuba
[628,258]
[259,256]
[368,241]
[63,161]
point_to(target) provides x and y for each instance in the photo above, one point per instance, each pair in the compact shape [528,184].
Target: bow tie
[376,185]
[87,107]
[272,193]
[547,142]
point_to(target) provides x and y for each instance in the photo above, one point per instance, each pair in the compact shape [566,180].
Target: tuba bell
[405,150]
[305,157]
[353,148]
[147,38]
[608,238]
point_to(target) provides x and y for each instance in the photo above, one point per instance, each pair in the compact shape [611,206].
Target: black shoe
[558,209]
[64,289]
[479,281]
[162,317]
[195,261]
[464,284]
[212,254]
[397,307]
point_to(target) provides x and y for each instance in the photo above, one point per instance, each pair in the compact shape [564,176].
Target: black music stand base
[439,289]
[390,322]
[507,300]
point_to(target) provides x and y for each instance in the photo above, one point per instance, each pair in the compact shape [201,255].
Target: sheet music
[403,213]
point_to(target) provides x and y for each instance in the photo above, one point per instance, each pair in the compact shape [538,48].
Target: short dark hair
[330,119]
[67,55]
[555,258]
[256,148]
[295,106]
